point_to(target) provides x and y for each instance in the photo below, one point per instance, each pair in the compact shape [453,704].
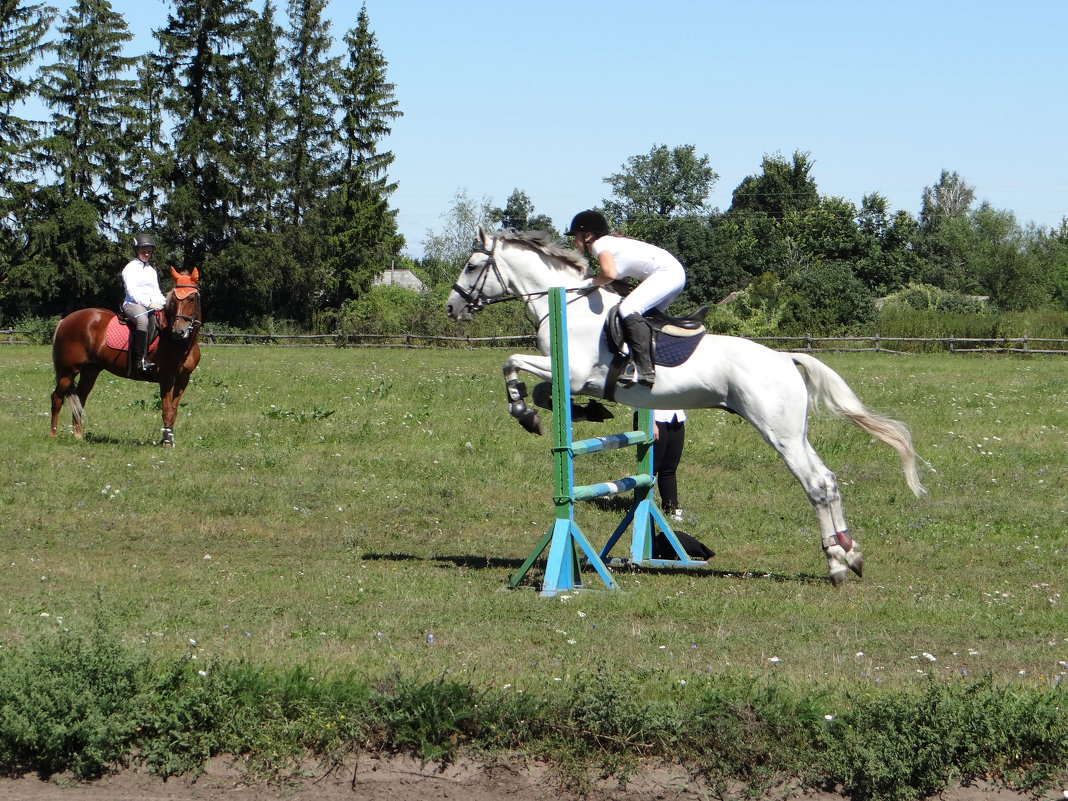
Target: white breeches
[656,291]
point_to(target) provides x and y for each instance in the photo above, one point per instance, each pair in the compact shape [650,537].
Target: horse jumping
[79,347]
[761,385]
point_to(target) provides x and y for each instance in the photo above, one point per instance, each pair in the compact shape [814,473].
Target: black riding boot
[138,349]
[640,341]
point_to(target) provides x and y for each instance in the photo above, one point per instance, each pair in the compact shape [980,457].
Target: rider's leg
[640,341]
[138,316]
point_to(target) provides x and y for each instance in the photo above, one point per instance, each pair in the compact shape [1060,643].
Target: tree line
[240,142]
[252,152]
[786,258]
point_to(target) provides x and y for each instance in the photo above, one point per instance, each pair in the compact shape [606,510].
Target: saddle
[119,332]
[674,340]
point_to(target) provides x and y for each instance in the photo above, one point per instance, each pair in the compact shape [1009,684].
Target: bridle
[183,292]
[476,299]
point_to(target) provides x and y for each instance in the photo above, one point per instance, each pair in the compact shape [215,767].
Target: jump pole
[566,542]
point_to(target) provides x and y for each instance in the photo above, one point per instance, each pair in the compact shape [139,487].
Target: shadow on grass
[474,562]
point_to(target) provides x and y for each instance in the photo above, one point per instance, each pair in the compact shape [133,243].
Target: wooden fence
[875,343]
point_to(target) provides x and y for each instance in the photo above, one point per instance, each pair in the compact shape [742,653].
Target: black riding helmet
[589,222]
[144,241]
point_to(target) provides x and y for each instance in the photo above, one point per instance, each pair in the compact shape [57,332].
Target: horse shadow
[479,562]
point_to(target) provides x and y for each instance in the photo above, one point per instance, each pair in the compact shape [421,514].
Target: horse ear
[174,273]
[195,275]
[483,237]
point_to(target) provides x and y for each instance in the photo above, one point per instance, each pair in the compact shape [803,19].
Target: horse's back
[79,337]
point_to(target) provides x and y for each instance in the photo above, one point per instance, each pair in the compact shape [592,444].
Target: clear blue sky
[552,97]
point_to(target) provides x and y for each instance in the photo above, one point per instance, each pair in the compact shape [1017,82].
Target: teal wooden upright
[567,544]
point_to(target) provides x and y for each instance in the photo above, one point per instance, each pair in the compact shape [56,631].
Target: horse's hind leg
[76,397]
[64,387]
[821,486]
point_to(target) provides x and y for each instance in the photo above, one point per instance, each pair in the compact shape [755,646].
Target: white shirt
[669,415]
[634,258]
[142,285]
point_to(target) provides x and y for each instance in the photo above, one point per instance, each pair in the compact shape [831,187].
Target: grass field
[336,508]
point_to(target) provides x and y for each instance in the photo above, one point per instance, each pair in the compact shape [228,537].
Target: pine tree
[364,227]
[197,70]
[307,158]
[311,108]
[255,258]
[22,39]
[71,224]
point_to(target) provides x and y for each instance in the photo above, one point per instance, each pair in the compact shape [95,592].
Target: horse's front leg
[170,393]
[541,366]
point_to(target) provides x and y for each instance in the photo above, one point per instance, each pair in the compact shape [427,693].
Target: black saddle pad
[670,351]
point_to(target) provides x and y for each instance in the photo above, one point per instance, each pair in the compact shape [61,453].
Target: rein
[477,301]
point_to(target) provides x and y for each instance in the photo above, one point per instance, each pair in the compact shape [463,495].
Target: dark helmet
[589,221]
[144,241]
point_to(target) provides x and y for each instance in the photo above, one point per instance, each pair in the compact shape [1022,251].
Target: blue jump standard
[568,545]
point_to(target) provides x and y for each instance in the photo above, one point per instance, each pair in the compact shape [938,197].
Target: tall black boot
[138,348]
[640,341]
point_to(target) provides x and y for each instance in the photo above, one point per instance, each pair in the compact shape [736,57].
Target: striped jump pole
[566,542]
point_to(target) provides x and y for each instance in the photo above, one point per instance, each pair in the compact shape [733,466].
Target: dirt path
[403,779]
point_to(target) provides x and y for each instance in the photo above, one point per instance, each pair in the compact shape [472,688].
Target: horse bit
[475,298]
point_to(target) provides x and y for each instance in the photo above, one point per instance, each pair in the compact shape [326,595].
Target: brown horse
[79,346]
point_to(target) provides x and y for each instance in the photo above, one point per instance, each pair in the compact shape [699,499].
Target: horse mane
[543,242]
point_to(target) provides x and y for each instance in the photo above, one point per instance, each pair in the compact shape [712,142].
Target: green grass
[334,507]
[325,511]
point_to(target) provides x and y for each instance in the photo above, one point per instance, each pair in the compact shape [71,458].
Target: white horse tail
[74,403]
[828,389]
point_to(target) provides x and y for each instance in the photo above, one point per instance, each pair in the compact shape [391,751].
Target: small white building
[400,277]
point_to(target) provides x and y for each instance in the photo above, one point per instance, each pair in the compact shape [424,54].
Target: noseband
[181,292]
[475,298]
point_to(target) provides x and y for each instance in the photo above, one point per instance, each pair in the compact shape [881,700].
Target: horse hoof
[839,576]
[857,565]
[531,421]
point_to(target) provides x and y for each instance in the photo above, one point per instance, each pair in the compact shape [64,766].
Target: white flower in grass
[774,660]
[929,657]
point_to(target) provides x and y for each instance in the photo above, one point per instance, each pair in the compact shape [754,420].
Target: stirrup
[629,376]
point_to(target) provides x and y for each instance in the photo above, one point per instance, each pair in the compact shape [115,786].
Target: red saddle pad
[117,336]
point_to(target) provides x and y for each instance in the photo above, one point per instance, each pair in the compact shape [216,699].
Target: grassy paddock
[333,509]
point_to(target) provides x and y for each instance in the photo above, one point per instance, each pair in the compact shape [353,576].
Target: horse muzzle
[458,308]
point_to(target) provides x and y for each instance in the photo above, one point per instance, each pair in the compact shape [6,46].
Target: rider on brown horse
[143,298]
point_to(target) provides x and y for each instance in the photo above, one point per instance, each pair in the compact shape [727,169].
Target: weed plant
[316,566]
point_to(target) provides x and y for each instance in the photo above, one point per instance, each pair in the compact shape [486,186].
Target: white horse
[760,385]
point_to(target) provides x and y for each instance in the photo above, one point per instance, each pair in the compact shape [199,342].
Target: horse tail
[828,389]
[74,403]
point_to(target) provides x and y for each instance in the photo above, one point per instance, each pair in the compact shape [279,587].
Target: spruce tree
[22,39]
[307,157]
[198,49]
[254,258]
[73,222]
[23,28]
[364,226]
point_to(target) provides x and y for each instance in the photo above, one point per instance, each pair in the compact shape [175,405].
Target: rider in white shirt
[143,297]
[661,276]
